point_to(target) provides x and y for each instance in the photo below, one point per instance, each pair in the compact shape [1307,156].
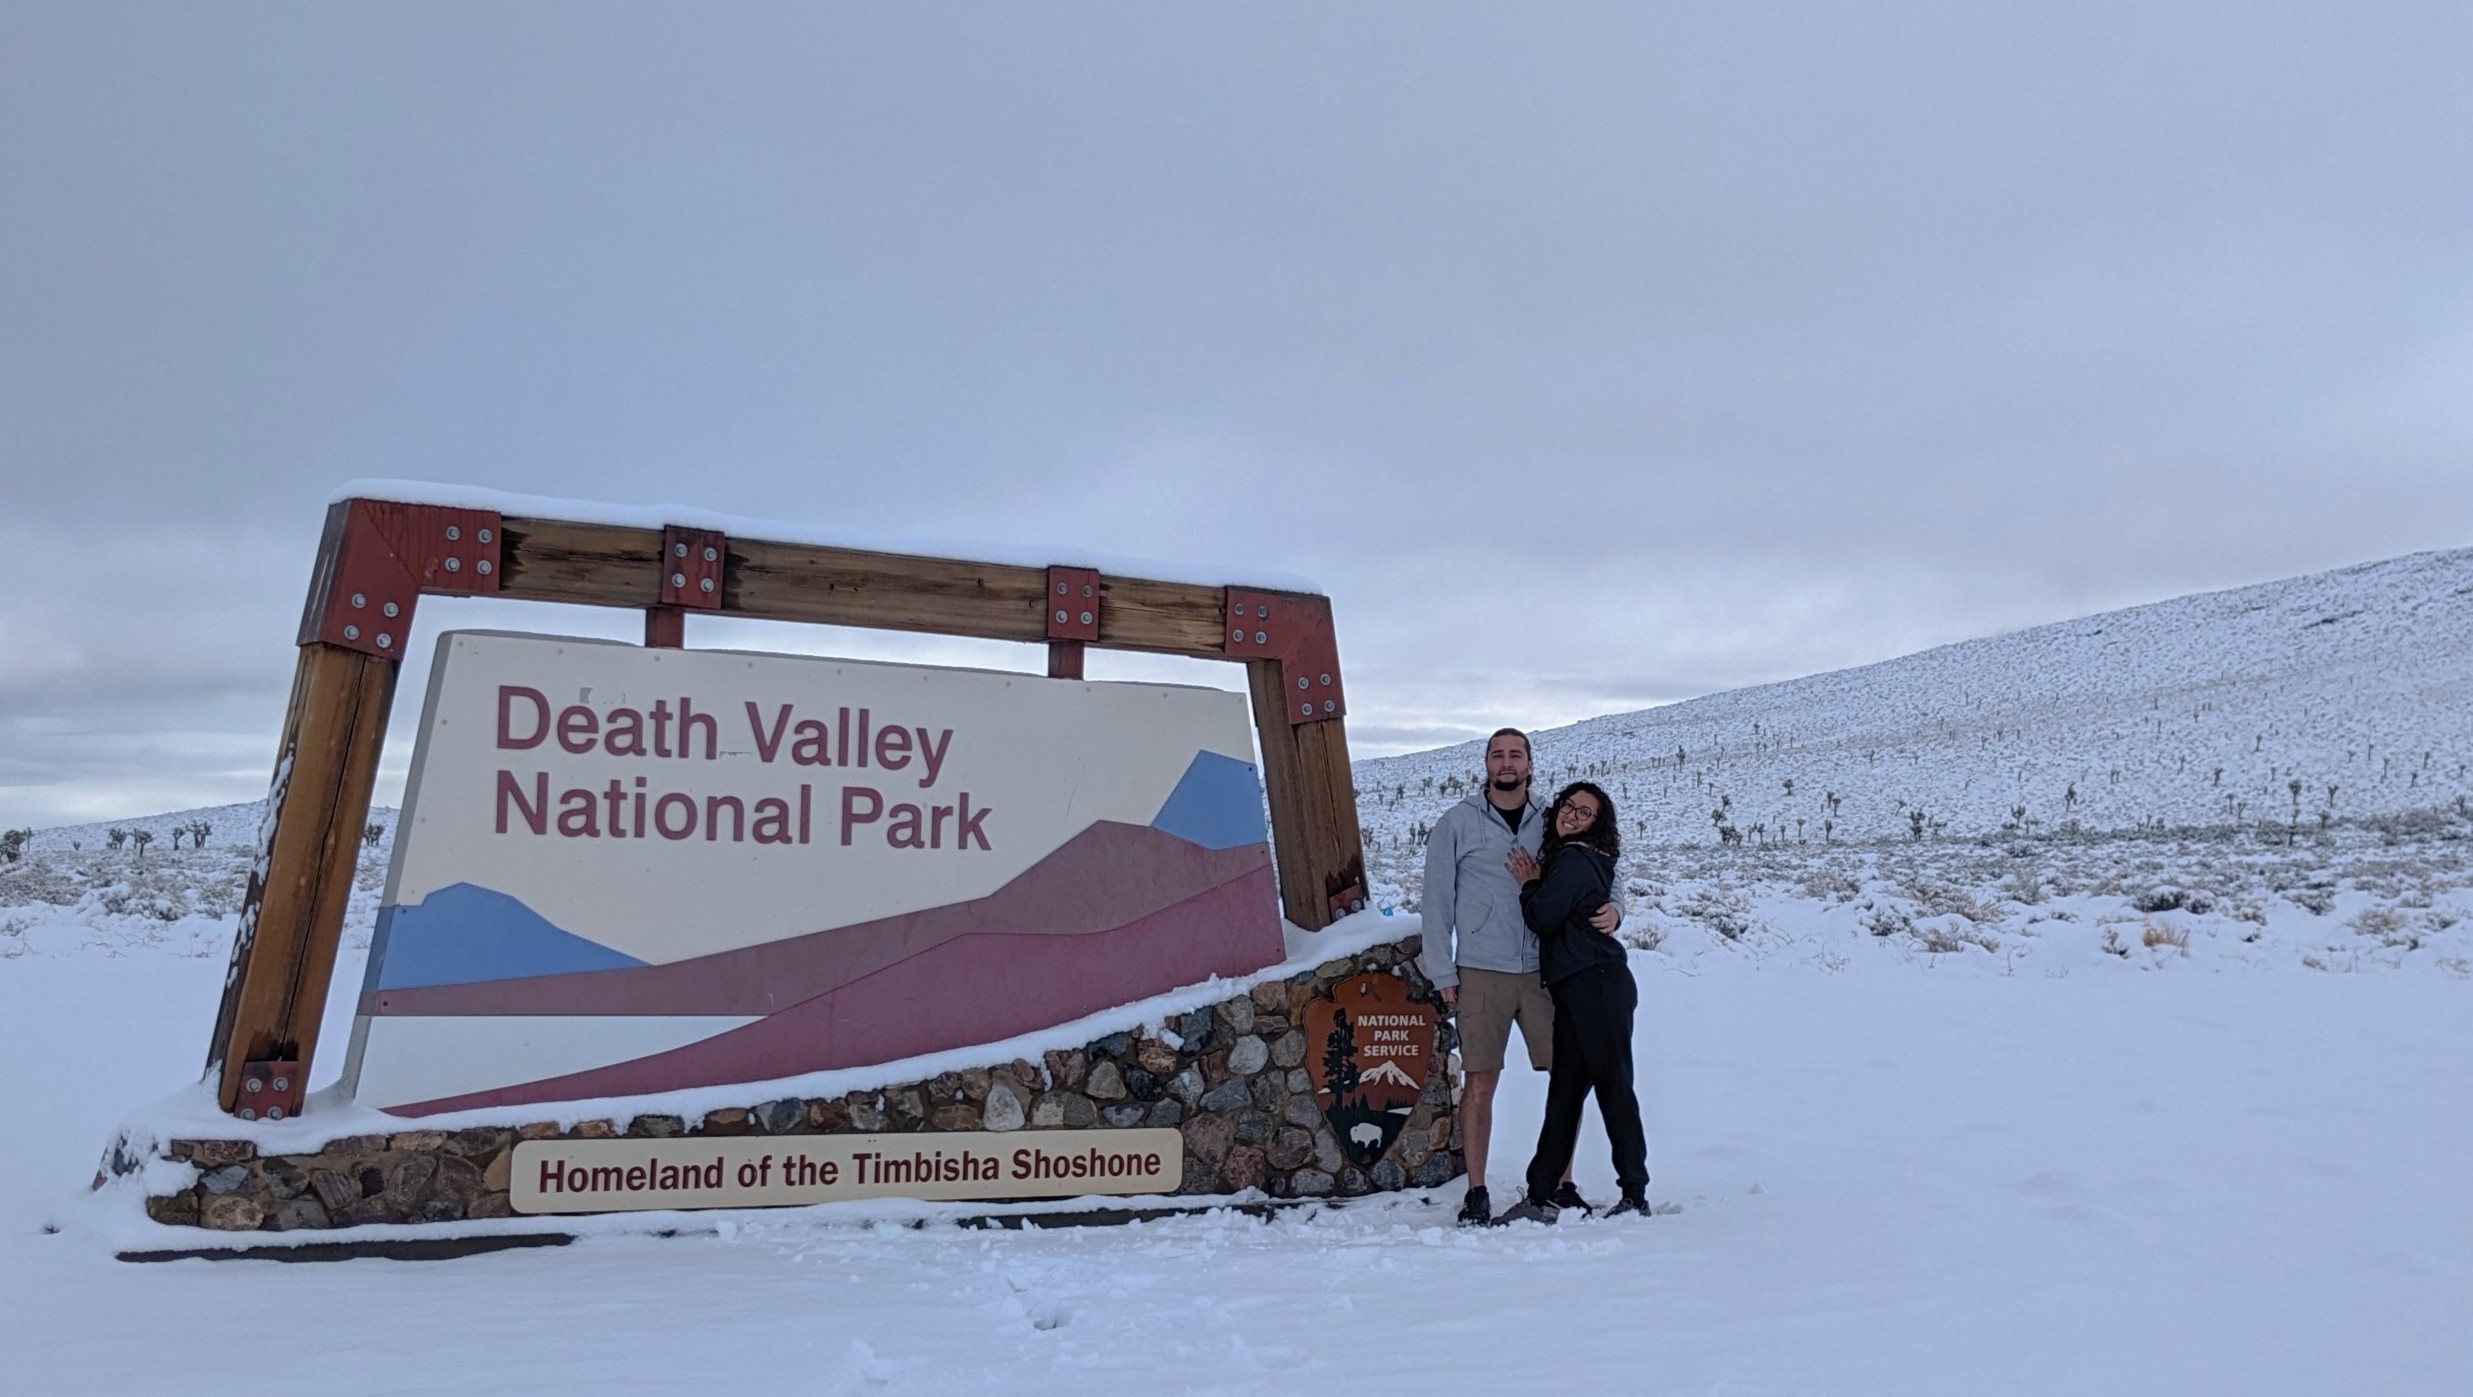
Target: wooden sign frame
[378,557]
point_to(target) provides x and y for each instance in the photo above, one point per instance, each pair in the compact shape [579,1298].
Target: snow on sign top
[656,516]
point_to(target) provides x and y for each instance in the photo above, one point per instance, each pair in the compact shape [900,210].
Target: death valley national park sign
[623,870]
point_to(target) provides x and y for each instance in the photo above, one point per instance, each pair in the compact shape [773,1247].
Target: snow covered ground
[2160,1088]
[1914,1174]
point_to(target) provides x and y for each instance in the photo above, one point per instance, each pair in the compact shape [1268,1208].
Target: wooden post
[1064,659]
[283,958]
[665,627]
[1316,844]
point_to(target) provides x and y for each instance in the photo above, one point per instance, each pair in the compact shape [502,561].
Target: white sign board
[623,870]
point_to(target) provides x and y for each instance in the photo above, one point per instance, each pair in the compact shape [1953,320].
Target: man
[1479,951]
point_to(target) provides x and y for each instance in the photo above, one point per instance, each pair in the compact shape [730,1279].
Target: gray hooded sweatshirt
[1472,907]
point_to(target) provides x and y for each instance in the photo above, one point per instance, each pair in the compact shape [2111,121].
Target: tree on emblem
[1339,1056]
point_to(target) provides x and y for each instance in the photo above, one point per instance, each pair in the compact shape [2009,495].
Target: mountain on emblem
[1389,1072]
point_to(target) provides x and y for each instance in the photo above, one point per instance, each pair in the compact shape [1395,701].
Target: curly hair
[1606,836]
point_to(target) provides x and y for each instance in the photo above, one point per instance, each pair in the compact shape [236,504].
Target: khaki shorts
[1491,1001]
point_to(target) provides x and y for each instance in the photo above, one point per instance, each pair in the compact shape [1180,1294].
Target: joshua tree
[141,838]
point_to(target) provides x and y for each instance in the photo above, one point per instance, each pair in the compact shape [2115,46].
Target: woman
[1589,975]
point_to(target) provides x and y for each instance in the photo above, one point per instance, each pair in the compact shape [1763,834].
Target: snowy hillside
[2339,696]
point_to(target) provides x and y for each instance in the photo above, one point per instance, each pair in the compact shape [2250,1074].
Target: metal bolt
[248,1114]
[390,608]
[1301,681]
[1305,710]
[711,553]
[1326,681]
[678,579]
[1329,707]
[274,1113]
[359,600]
[455,565]
[1263,611]
[385,641]
[1060,618]
[351,632]
[483,535]
[1086,589]
[453,533]
[1261,638]
[482,567]
[679,548]
[283,1084]
[252,1085]
[706,584]
[1086,618]
[1060,588]
[1236,637]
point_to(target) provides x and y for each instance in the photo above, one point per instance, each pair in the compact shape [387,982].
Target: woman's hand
[1605,919]
[1523,866]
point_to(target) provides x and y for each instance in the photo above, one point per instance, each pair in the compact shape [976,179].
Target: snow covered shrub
[1643,935]
[1938,898]
[2318,900]
[1886,919]
[2387,926]
[1824,883]
[1948,935]
[2024,886]
[1721,909]
[2113,944]
[2172,899]
[2156,937]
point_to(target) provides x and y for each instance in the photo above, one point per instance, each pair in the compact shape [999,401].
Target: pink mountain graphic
[1120,912]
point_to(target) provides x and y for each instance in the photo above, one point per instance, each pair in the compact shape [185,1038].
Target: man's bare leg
[1477,1120]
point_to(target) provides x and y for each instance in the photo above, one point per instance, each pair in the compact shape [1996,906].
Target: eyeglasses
[1584,811]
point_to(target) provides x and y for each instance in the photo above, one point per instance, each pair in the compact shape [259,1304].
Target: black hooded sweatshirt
[1575,881]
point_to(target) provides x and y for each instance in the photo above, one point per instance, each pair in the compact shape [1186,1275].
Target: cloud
[1591,355]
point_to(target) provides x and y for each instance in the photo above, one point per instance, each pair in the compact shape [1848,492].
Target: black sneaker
[1567,1196]
[1477,1209]
[1632,1203]
[1530,1210]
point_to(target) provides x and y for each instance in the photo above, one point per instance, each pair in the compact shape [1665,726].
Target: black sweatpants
[1592,1053]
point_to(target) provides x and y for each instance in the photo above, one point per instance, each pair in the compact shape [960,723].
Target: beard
[1509,783]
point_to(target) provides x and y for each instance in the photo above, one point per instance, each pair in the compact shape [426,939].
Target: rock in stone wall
[1230,1076]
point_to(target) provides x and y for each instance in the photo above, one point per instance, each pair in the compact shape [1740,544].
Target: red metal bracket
[1073,603]
[1295,629]
[378,557]
[691,567]
[272,1089]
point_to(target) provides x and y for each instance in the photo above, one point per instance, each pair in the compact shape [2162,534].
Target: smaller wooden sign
[1369,1048]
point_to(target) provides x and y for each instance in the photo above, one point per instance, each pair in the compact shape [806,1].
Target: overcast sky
[1592,357]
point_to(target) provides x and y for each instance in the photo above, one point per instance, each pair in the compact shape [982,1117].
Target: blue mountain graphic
[463,934]
[1217,804]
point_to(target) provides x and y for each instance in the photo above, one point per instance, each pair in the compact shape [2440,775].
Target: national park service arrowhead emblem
[1369,1048]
